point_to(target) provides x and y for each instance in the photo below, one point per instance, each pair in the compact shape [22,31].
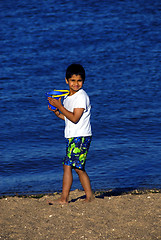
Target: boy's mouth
[76,87]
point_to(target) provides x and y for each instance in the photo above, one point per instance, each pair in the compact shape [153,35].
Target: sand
[134,215]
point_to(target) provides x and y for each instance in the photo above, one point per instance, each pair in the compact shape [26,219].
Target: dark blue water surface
[119,45]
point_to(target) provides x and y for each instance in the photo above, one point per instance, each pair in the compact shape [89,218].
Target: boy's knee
[79,171]
[67,168]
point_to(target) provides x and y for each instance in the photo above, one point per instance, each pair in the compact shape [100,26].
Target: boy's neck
[71,92]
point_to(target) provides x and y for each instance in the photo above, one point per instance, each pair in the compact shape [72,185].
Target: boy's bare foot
[58,201]
[89,199]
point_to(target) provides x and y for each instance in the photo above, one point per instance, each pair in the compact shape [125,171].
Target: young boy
[76,113]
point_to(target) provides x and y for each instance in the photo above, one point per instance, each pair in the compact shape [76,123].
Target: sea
[119,45]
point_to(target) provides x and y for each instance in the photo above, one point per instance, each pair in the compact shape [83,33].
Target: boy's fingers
[53,110]
[49,108]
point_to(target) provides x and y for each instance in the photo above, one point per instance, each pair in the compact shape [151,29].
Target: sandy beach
[134,215]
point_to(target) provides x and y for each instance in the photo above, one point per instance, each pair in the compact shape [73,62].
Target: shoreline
[111,192]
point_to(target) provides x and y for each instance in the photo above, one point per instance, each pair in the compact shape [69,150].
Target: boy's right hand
[53,110]
[57,113]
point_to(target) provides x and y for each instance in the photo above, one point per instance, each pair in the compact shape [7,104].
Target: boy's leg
[67,183]
[85,181]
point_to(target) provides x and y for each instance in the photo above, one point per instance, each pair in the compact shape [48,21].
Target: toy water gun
[56,94]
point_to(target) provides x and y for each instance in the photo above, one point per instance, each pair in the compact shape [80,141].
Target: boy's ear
[66,80]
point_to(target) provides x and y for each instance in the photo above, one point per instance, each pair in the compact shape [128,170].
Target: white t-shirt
[83,127]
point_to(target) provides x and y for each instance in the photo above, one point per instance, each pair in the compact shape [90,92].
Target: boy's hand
[54,102]
[57,113]
[53,110]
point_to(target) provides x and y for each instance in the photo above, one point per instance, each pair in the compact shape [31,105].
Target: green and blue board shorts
[76,151]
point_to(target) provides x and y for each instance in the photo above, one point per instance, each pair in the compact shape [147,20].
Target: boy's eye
[75,80]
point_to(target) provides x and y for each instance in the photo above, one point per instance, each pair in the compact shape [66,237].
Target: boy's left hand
[55,102]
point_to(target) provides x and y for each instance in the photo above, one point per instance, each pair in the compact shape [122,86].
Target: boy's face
[75,83]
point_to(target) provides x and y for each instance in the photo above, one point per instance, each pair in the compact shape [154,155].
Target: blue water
[119,45]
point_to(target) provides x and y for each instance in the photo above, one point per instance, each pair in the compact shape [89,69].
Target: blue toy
[56,94]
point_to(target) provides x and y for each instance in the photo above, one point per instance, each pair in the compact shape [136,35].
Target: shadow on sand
[118,192]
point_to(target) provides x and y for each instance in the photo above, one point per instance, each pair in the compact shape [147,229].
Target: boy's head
[75,69]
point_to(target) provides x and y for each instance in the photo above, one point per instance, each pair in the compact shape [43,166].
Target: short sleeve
[80,102]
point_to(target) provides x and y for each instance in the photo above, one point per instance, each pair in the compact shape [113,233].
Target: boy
[76,113]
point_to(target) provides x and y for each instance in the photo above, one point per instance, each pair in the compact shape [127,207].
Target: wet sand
[112,215]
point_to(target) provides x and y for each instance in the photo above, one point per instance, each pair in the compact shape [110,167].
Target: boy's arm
[72,116]
[57,113]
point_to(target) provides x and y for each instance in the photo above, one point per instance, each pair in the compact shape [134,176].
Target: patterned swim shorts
[76,151]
